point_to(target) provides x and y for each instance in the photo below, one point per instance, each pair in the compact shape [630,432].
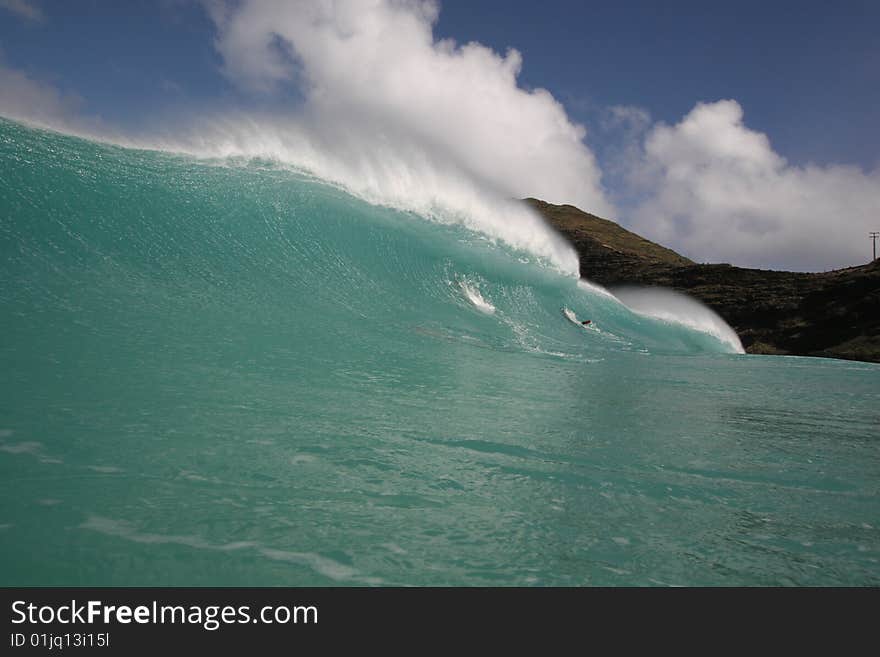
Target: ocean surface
[230,373]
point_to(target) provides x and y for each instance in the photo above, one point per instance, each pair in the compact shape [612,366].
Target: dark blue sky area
[806,73]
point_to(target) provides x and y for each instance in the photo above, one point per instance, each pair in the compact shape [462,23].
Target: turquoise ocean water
[237,375]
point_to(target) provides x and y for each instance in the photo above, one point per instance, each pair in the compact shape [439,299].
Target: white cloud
[39,103]
[718,191]
[623,128]
[629,117]
[25,9]
[26,99]
[169,86]
[402,118]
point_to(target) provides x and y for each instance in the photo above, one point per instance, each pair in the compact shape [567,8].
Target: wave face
[239,375]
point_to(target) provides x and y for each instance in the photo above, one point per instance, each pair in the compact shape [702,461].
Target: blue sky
[806,72]
[660,87]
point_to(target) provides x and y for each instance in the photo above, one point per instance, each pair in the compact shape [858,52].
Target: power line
[874,235]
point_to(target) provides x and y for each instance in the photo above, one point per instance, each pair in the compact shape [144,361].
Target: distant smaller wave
[670,306]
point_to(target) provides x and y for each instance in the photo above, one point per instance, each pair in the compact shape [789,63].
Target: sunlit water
[236,375]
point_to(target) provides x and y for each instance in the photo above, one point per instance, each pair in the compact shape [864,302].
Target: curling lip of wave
[595,288]
[449,196]
[407,176]
[670,306]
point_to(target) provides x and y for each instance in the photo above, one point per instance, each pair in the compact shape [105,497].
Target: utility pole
[874,235]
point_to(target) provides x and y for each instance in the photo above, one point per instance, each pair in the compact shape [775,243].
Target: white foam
[472,292]
[31,448]
[27,447]
[318,563]
[595,288]
[404,175]
[670,306]
[571,316]
[105,469]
